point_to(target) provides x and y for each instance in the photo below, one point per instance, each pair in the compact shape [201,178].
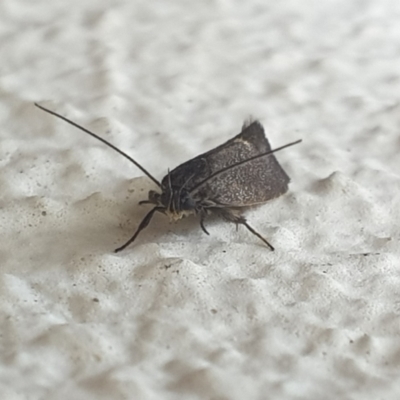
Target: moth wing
[248,184]
[250,142]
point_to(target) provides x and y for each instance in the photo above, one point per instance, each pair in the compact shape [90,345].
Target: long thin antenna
[101,140]
[241,163]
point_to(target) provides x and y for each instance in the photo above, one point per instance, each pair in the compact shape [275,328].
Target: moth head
[177,202]
[155,198]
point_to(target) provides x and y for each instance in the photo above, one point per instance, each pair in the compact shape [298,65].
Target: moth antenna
[101,140]
[241,163]
[170,190]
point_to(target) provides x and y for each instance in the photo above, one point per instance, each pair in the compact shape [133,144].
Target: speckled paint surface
[183,315]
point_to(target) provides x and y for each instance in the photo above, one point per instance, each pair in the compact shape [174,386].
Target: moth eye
[154,197]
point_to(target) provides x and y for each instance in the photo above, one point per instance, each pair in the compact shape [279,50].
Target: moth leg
[142,225]
[258,235]
[202,218]
[145,202]
[236,218]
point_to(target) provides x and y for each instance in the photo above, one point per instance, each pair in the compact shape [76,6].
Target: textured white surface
[180,314]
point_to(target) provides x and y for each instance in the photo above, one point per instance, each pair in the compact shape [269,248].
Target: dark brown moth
[241,172]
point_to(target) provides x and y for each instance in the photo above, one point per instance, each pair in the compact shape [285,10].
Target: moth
[239,173]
